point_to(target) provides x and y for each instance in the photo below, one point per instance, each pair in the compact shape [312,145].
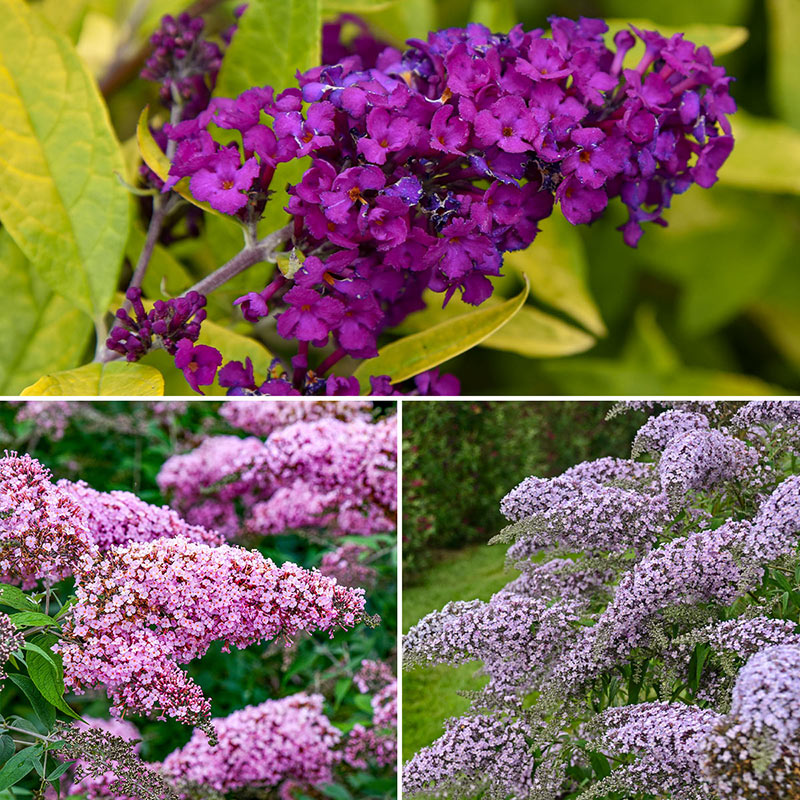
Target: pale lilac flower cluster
[44,533]
[536,495]
[51,417]
[660,430]
[345,564]
[11,640]
[670,609]
[261,419]
[260,747]
[669,739]
[702,459]
[144,609]
[755,751]
[474,753]
[117,518]
[690,570]
[378,742]
[518,639]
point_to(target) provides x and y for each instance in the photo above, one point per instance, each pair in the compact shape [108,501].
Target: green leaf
[404,20]
[497,15]
[342,687]
[6,748]
[59,198]
[336,791]
[784,63]
[676,12]
[157,160]
[49,680]
[115,378]
[720,39]
[58,771]
[43,709]
[535,334]
[40,318]
[557,268]
[14,597]
[765,156]
[273,40]
[357,6]
[429,348]
[27,619]
[18,766]
[45,654]
[722,247]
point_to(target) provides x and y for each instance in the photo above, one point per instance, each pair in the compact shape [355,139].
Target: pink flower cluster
[378,742]
[44,534]
[345,565]
[260,747]
[326,473]
[261,419]
[143,610]
[117,518]
[11,640]
[51,417]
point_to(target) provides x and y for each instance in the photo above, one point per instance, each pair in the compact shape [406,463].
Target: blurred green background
[122,445]
[708,306]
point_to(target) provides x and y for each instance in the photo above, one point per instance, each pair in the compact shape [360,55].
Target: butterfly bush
[327,473]
[650,643]
[143,610]
[425,167]
[261,419]
[44,533]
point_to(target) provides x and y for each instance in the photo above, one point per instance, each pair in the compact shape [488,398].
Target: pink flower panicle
[44,534]
[378,742]
[147,608]
[345,565]
[50,417]
[117,518]
[261,419]
[11,640]
[262,746]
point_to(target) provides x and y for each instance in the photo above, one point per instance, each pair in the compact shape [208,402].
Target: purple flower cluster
[167,326]
[660,430]
[428,165]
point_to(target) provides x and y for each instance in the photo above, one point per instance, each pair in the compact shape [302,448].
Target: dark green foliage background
[107,457]
[460,458]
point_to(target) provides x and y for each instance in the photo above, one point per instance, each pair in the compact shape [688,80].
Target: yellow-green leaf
[784,61]
[114,379]
[535,334]
[765,157]
[357,6]
[429,348]
[272,41]
[59,198]
[156,159]
[556,266]
[39,318]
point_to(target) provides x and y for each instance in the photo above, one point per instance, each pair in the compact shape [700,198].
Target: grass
[429,695]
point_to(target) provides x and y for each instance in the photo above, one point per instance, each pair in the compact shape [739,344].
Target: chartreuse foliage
[718,285]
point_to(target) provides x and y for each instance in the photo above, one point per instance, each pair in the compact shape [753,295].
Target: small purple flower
[509,124]
[448,133]
[579,203]
[348,188]
[431,383]
[310,316]
[199,363]
[338,386]
[310,134]
[223,180]
[357,332]
[387,133]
